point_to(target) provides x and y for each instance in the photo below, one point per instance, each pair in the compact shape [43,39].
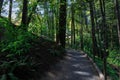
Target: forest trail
[75,66]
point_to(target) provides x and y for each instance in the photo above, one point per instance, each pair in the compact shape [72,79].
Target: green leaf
[10,55]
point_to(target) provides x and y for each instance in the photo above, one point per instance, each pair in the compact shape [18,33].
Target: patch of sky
[5,9]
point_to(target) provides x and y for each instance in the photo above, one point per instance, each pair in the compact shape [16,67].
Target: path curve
[75,66]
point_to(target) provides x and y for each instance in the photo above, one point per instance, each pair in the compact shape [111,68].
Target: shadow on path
[75,66]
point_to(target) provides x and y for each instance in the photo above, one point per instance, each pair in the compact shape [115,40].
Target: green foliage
[7,68]
[87,43]
[114,57]
[17,42]
[110,71]
[16,46]
[38,27]
[14,39]
[13,49]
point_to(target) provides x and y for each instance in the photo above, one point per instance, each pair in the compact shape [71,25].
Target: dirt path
[75,66]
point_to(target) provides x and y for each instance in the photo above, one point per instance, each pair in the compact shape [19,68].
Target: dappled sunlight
[74,67]
[68,57]
[80,65]
[51,74]
[78,56]
[81,73]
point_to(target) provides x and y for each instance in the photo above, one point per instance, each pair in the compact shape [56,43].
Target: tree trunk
[62,22]
[93,29]
[1,4]
[10,9]
[104,32]
[57,28]
[53,23]
[81,32]
[24,14]
[72,26]
[118,18]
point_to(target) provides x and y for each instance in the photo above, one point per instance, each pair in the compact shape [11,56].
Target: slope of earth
[23,55]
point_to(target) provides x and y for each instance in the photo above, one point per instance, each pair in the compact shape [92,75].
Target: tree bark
[81,32]
[105,36]
[93,29]
[118,18]
[62,22]
[1,4]
[57,24]
[72,26]
[10,9]
[24,14]
[53,23]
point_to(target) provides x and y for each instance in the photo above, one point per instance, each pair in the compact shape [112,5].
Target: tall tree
[53,23]
[57,23]
[118,17]
[10,9]
[72,25]
[62,22]
[1,4]
[24,13]
[91,4]
[104,36]
[81,31]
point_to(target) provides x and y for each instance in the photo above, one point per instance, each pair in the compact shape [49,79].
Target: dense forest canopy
[92,26]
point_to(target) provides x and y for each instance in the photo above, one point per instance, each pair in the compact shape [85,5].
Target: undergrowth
[23,55]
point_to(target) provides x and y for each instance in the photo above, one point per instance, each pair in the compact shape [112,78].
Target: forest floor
[75,66]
